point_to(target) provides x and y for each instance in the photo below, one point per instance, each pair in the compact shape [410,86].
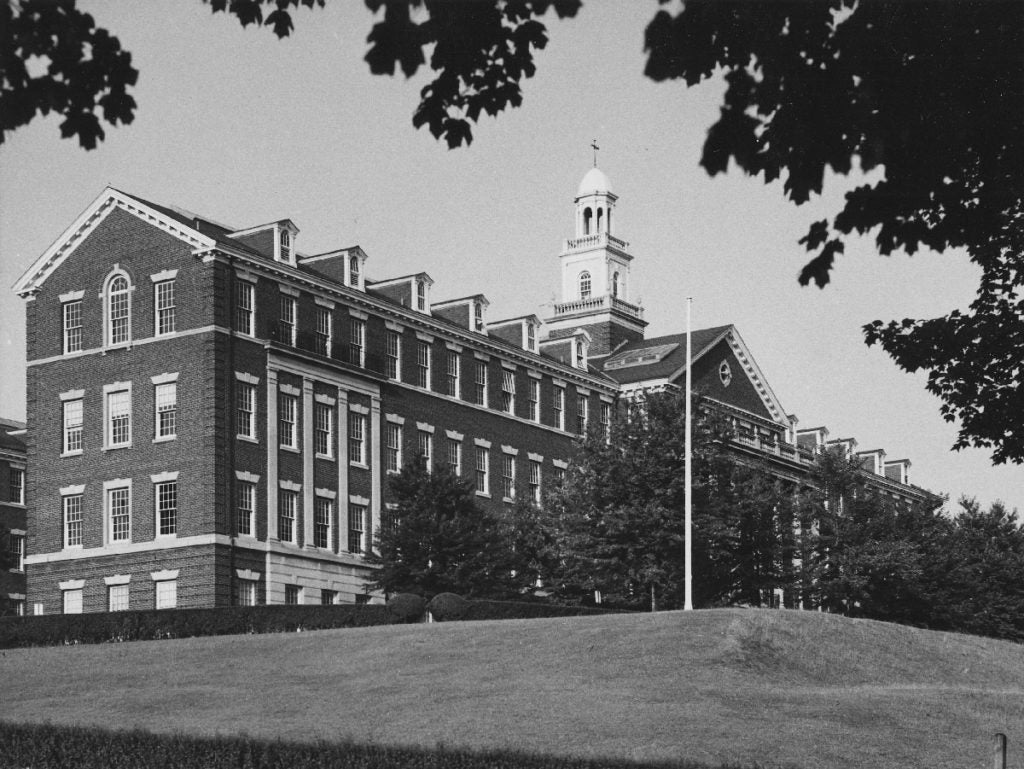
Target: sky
[242,128]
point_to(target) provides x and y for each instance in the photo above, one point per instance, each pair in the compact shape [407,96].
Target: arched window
[531,337]
[580,358]
[615,284]
[587,216]
[286,246]
[478,316]
[600,217]
[353,271]
[118,309]
[421,296]
[584,285]
[609,221]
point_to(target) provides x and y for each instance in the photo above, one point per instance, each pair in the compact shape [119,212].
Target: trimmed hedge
[59,747]
[151,624]
[407,607]
[447,607]
[479,610]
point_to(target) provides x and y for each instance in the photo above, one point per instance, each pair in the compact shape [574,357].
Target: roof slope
[664,362]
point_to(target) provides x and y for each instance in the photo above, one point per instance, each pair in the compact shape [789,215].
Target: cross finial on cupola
[593,146]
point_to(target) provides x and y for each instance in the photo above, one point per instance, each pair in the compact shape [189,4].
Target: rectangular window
[292,595]
[423,364]
[166,320]
[393,448]
[119,511]
[73,601]
[167,594]
[167,508]
[480,383]
[482,470]
[508,391]
[287,408]
[18,552]
[455,456]
[533,400]
[451,374]
[357,342]
[535,490]
[508,476]
[393,355]
[247,508]
[246,592]
[324,331]
[357,438]
[582,414]
[322,516]
[559,475]
[72,312]
[286,505]
[606,420]
[120,313]
[166,398]
[558,407]
[356,527]
[246,410]
[425,447]
[323,429]
[119,418]
[16,492]
[286,321]
[72,426]
[72,509]
[117,598]
[244,314]
[328,597]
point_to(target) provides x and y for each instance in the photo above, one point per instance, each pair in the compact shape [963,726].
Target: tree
[437,539]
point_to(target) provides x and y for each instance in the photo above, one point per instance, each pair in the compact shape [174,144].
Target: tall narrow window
[72,509]
[166,594]
[166,398]
[117,597]
[357,438]
[287,409]
[482,470]
[531,337]
[425,447]
[585,285]
[324,331]
[451,374]
[606,420]
[356,527]
[119,511]
[286,321]
[393,448]
[292,595]
[16,492]
[353,271]
[480,383]
[286,246]
[478,316]
[17,545]
[118,311]
[287,502]
[615,279]
[508,391]
[244,315]
[393,355]
[582,414]
[72,312]
[119,418]
[533,400]
[322,517]
[357,342]
[167,508]
[558,407]
[72,426]
[246,410]
[535,488]
[246,592]
[166,312]
[455,456]
[581,359]
[421,296]
[559,475]
[423,364]
[247,508]
[323,429]
[508,476]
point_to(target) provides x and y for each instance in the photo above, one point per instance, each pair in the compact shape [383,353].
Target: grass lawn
[731,685]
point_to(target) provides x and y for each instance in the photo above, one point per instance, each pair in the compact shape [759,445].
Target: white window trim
[107,390]
[330,304]
[358,408]
[245,475]
[392,326]
[454,435]
[287,290]
[105,301]
[509,450]
[395,418]
[482,442]
[288,389]
[561,463]
[248,574]
[72,296]
[326,400]
[358,314]
[424,427]
[164,477]
[326,493]
[117,579]
[164,575]
[71,584]
[72,395]
[534,457]
[108,486]
[164,378]
[70,491]
[289,486]
[355,499]
[246,377]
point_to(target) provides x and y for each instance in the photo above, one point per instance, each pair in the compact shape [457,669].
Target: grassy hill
[772,687]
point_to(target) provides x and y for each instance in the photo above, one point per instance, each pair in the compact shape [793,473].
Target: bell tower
[595,274]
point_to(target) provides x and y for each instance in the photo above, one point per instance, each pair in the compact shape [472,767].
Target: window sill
[118,446]
[247,439]
[13,504]
[510,500]
[327,457]
[165,438]
[486,494]
[290,449]
[16,571]
[393,472]
[165,537]
[360,465]
[76,453]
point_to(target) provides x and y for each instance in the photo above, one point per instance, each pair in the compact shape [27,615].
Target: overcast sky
[242,128]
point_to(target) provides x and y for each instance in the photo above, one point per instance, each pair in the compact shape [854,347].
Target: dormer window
[585,285]
[478,316]
[353,271]
[421,296]
[286,246]
[581,357]
[531,337]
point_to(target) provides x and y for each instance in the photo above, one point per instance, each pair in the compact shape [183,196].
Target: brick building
[12,517]
[213,414]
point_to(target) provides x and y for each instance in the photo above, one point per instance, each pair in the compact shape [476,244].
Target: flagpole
[688,560]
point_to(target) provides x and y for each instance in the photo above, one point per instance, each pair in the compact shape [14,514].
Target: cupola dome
[594,181]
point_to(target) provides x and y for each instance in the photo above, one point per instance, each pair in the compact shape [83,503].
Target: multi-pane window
[167,594]
[531,337]
[480,383]
[559,475]
[292,595]
[72,312]
[119,418]
[582,414]
[357,438]
[323,429]
[508,391]
[483,456]
[18,552]
[353,271]
[478,316]
[533,400]
[247,508]
[246,410]
[287,501]
[421,296]
[508,476]
[286,246]
[535,492]
[287,408]
[558,407]
[166,315]
[423,364]
[119,511]
[357,342]
[72,431]
[425,447]
[356,527]
[585,285]
[16,486]
[454,456]
[581,359]
[117,597]
[72,510]
[286,321]
[244,304]
[166,398]
[324,330]
[393,448]
[328,597]
[118,310]
[606,420]
[322,516]
[72,601]
[393,355]
[451,374]
[167,508]
[246,592]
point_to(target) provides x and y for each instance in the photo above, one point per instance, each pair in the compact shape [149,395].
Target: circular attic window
[725,373]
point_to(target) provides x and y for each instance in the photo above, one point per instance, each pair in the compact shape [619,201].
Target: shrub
[482,610]
[447,607]
[407,607]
